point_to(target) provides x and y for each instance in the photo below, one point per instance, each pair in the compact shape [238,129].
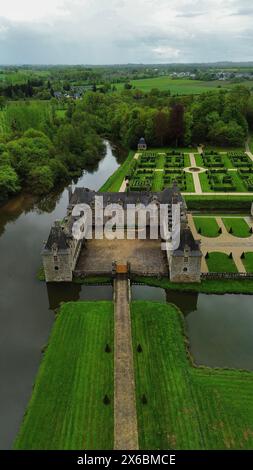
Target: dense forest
[44,143]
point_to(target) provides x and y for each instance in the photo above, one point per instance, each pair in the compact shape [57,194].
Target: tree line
[39,149]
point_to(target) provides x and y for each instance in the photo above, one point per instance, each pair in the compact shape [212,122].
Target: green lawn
[160,161]
[207,226]
[114,182]
[66,410]
[204,183]
[157,184]
[189,183]
[220,263]
[179,86]
[226,286]
[198,160]
[238,225]
[248,262]
[187,407]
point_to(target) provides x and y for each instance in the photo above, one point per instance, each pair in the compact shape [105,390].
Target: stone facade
[142,144]
[61,251]
[185,262]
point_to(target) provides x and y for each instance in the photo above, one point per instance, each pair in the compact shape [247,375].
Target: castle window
[55,259]
[56,268]
[186,259]
[185,270]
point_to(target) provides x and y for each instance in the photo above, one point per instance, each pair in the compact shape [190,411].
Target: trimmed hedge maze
[157,171]
[220,180]
[229,172]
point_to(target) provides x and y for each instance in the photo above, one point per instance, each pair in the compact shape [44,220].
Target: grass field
[248,262]
[114,182]
[187,407]
[220,263]
[238,226]
[177,87]
[66,410]
[207,226]
[225,286]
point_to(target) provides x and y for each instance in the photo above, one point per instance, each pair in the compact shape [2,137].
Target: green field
[187,407]
[238,226]
[225,286]
[176,86]
[66,410]
[220,263]
[207,226]
[116,179]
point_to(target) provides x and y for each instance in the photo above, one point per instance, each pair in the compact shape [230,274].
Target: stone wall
[58,268]
[185,271]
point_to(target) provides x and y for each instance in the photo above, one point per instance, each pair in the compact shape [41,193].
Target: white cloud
[110,31]
[30,10]
[166,52]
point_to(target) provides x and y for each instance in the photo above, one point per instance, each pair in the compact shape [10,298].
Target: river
[220,328]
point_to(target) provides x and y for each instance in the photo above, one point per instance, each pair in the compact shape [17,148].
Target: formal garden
[219,172]
[156,171]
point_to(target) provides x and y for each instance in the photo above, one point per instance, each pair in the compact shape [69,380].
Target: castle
[62,250]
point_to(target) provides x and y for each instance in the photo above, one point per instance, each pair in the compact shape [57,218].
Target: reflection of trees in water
[11,211]
[48,203]
[187,302]
[62,292]
[119,153]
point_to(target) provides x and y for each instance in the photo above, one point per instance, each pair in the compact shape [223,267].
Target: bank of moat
[64,256]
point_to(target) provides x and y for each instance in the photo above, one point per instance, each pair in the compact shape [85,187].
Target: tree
[9,182]
[3,102]
[161,127]
[40,180]
[176,123]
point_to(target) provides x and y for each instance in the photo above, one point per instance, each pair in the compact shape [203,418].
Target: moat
[220,328]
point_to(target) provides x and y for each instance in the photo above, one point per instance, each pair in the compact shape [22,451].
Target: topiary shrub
[106,400]
[139,348]
[108,349]
[144,399]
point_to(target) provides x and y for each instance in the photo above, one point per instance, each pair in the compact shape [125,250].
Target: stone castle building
[62,250]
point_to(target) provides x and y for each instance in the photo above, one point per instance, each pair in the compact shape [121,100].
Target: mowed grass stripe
[239,226]
[66,410]
[187,407]
[207,226]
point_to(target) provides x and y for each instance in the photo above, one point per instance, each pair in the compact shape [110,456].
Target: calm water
[220,327]
[26,304]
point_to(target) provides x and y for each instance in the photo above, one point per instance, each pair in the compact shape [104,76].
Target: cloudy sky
[124,31]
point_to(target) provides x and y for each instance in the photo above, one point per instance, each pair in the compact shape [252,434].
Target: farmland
[67,409]
[186,407]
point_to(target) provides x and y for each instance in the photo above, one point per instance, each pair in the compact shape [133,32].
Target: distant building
[58,95]
[142,144]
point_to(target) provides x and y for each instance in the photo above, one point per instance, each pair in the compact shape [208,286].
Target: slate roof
[58,237]
[187,240]
[85,196]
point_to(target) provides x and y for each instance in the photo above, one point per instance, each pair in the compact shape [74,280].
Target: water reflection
[25,303]
[187,302]
[220,327]
[68,292]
